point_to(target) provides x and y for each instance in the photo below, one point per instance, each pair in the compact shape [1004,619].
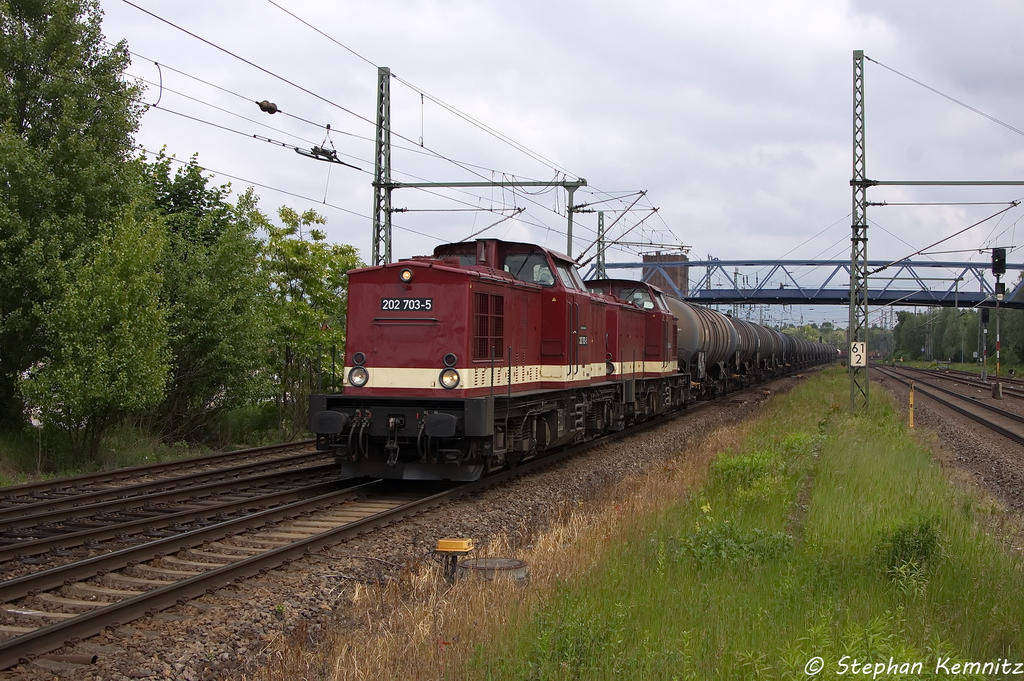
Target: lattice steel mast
[382,171]
[858,328]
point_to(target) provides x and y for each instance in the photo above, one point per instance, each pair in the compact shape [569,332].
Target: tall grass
[818,533]
[35,454]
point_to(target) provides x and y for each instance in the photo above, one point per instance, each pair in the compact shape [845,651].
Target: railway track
[126,481]
[1010,387]
[32,539]
[1009,380]
[1004,422]
[209,544]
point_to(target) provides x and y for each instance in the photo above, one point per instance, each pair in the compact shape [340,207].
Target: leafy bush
[725,543]
[914,542]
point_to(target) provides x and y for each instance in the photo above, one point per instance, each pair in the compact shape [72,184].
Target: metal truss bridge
[901,283]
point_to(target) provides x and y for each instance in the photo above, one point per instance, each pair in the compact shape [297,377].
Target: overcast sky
[735,116]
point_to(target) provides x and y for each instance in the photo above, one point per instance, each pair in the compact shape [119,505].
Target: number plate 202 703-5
[406,304]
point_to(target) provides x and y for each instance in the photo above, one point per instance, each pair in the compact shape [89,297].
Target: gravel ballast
[230,633]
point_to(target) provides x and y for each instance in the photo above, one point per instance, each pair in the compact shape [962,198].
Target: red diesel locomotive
[491,352]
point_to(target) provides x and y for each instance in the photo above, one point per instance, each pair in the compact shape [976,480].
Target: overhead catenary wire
[950,98]
[289,82]
[919,252]
[466,167]
[524,193]
[432,237]
[413,149]
[286,145]
[466,117]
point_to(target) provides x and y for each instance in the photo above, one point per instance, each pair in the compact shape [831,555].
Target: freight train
[489,353]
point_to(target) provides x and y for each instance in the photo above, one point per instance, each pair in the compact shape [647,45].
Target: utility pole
[984,344]
[569,209]
[383,186]
[858,329]
[381,252]
[998,269]
[600,272]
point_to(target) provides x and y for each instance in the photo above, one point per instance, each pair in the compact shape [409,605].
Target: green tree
[909,335]
[66,124]
[1012,331]
[309,285]
[106,336]
[217,300]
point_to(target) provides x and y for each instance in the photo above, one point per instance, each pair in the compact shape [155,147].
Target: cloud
[736,116]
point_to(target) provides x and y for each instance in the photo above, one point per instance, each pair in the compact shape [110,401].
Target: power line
[309,25]
[278,143]
[464,116]
[919,252]
[331,205]
[944,95]
[466,167]
[244,134]
[287,193]
[411,149]
[213,106]
[292,83]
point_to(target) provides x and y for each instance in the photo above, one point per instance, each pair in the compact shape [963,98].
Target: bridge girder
[882,290]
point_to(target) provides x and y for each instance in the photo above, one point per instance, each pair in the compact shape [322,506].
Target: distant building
[678,275]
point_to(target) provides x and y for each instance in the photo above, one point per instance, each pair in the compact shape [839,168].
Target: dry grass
[419,627]
[868,497]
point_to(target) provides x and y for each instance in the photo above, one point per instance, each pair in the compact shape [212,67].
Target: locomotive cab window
[569,277]
[530,267]
[638,295]
[467,258]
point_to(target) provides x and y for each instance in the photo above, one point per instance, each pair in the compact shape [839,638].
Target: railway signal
[998,261]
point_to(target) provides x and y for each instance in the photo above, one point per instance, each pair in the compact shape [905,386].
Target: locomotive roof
[625,282]
[439,251]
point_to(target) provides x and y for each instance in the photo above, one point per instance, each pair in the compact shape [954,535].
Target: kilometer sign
[858,354]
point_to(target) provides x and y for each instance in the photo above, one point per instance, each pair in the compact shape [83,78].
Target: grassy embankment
[31,454]
[815,534]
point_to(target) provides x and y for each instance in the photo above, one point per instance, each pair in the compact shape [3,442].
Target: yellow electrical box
[454,545]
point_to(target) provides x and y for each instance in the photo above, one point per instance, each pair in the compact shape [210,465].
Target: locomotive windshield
[530,267]
[638,295]
[569,277]
[466,253]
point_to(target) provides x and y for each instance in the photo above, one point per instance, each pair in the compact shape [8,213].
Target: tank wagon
[488,353]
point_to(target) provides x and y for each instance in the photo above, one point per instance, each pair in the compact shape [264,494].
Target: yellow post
[911,404]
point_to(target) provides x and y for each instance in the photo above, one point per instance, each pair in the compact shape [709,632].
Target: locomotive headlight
[449,378]
[358,377]
[405,275]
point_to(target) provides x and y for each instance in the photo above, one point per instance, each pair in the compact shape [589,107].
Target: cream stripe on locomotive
[480,377]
